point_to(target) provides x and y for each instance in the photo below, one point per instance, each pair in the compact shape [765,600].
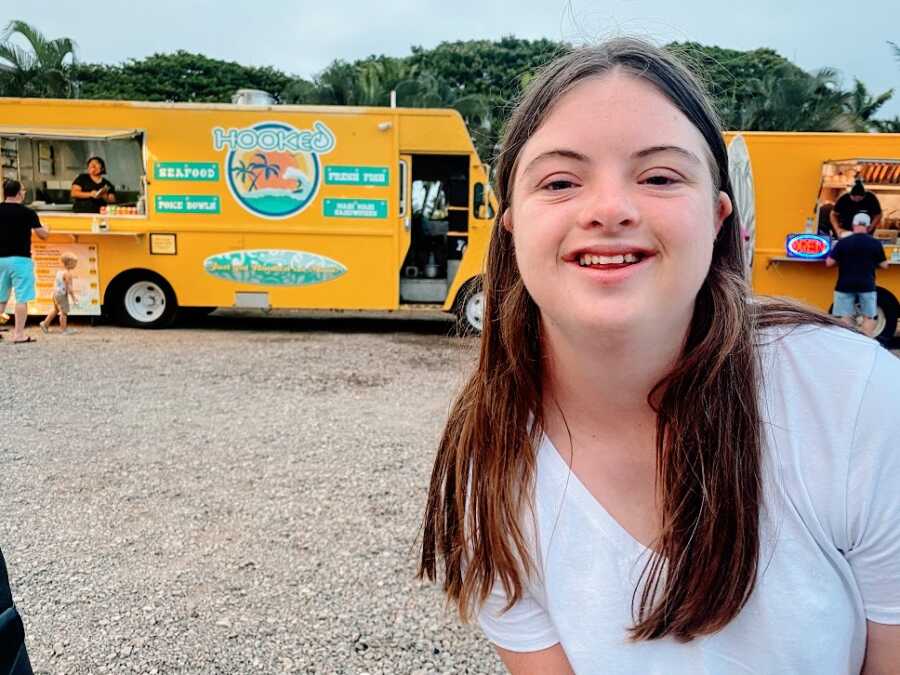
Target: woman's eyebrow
[557,152]
[656,149]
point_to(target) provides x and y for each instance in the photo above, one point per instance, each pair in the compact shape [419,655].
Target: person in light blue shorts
[857,255]
[846,304]
[17,222]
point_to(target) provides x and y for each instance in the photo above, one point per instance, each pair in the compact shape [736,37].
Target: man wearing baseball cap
[857,254]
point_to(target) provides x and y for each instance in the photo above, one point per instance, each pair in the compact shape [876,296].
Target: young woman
[650,471]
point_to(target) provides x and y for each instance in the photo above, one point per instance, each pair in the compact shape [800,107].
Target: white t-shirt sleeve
[525,627]
[873,494]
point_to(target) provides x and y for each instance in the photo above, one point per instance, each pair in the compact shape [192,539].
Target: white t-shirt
[830,534]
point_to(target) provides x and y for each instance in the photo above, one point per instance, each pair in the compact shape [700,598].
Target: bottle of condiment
[809,228]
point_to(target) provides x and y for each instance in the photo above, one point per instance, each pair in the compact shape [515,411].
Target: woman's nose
[608,204]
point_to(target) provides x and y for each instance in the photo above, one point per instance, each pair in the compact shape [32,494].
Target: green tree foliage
[493,71]
[33,65]
[753,90]
[889,126]
[733,78]
[369,82]
[181,76]
[788,101]
[760,90]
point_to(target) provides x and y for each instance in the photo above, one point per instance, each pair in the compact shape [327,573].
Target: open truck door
[404,211]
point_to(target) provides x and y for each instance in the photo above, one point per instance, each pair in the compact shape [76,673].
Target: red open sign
[807,246]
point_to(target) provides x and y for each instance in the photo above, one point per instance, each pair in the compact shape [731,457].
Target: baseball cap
[862,219]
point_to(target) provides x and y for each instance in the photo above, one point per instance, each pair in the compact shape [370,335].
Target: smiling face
[613,210]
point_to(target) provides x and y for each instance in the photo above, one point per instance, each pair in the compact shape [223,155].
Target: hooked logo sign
[273,169]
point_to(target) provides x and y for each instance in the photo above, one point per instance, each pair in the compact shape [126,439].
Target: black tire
[469,308]
[890,308]
[143,299]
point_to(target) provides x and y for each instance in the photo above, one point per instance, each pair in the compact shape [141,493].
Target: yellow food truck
[258,206]
[785,185]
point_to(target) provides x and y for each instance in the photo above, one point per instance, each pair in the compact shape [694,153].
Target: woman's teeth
[627,258]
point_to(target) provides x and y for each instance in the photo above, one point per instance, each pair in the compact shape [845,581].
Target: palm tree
[241,171]
[376,79]
[861,107]
[336,85]
[790,101]
[262,167]
[370,83]
[39,68]
[427,91]
[891,126]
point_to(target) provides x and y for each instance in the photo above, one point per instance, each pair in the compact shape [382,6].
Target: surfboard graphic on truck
[273,267]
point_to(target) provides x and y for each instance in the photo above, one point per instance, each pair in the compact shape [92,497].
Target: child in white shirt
[63,289]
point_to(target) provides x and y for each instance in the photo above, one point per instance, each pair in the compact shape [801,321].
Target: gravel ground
[241,494]
[237,495]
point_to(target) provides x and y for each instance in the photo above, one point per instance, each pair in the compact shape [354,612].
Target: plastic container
[431,267]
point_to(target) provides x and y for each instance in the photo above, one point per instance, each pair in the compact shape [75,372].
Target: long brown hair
[708,422]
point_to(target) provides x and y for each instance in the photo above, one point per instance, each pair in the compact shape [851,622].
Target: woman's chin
[607,317]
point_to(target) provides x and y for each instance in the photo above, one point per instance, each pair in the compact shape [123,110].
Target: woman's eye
[661,179]
[556,185]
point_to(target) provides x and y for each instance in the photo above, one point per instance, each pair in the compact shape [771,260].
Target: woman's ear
[724,208]
[506,221]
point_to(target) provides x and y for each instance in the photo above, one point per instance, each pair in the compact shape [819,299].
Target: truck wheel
[888,311]
[145,300]
[469,308]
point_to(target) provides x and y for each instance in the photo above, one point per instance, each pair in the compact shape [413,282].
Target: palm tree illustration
[241,171]
[262,168]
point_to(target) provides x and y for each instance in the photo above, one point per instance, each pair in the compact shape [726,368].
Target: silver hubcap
[145,301]
[475,310]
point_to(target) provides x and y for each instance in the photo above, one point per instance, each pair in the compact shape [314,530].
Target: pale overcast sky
[302,37]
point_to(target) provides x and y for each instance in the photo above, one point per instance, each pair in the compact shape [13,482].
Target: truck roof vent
[252,97]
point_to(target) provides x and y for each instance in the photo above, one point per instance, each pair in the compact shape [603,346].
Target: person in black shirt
[857,256]
[858,200]
[17,222]
[91,190]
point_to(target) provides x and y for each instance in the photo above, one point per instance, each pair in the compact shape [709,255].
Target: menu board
[85,279]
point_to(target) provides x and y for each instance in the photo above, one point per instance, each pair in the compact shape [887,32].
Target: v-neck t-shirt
[829,534]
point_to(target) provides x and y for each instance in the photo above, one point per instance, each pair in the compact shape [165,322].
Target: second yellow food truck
[785,185]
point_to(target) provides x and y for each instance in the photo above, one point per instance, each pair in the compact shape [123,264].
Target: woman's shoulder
[819,350]
[80,178]
[821,377]
[826,395]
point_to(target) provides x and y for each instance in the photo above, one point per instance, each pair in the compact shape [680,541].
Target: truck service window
[46,166]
